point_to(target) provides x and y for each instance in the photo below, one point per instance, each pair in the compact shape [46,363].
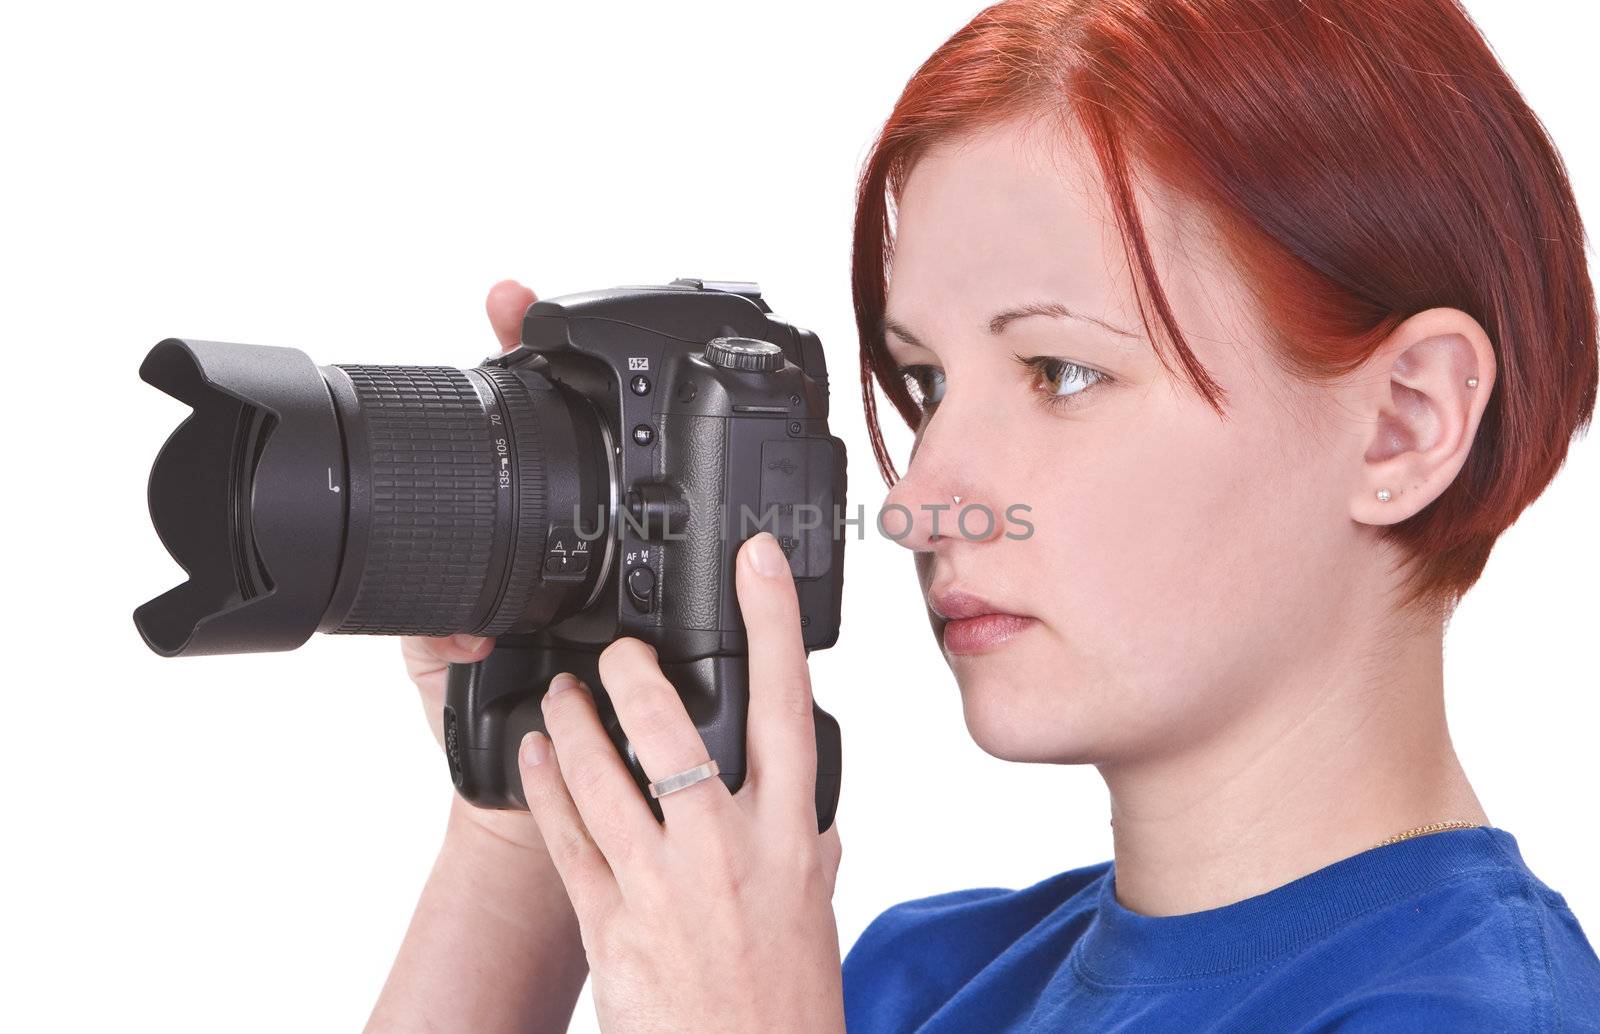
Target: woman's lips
[970,624]
[982,633]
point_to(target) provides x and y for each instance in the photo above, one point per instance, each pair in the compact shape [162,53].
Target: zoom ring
[527,552]
[432,501]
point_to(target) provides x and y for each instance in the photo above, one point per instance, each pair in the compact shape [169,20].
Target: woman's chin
[1029,720]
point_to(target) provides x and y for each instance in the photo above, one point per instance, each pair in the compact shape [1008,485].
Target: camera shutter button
[744,353]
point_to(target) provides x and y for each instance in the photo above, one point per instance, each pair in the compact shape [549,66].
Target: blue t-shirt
[1445,932]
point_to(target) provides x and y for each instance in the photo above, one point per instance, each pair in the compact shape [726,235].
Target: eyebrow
[999,320]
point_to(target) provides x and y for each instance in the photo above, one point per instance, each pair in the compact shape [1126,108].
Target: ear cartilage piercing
[1383,495]
[1472,382]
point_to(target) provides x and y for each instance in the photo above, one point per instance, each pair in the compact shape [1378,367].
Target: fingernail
[535,749]
[469,643]
[767,556]
[560,682]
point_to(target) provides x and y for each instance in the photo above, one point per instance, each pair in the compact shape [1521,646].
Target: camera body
[711,443]
[592,483]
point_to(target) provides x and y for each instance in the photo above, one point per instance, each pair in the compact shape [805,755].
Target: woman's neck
[1333,761]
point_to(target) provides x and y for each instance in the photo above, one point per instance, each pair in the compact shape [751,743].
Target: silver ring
[688,777]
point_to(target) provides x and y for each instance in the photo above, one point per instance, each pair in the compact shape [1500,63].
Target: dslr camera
[594,482]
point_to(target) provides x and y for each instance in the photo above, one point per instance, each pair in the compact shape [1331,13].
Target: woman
[1273,314]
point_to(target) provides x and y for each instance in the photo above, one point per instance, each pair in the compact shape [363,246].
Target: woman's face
[1181,565]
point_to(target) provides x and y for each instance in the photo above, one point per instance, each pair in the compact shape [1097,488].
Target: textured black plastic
[492,704]
[695,449]
[720,352]
[529,459]
[433,501]
[724,442]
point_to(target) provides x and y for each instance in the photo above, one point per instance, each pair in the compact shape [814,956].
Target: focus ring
[432,500]
[527,552]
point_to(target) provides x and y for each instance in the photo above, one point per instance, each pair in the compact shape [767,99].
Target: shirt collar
[1123,946]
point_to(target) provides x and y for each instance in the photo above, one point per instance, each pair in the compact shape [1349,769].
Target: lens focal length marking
[502,459]
[518,443]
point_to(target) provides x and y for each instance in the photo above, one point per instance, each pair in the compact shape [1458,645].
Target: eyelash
[1049,368]
[1044,367]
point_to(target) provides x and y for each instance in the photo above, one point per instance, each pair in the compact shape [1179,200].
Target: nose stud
[1472,382]
[957,499]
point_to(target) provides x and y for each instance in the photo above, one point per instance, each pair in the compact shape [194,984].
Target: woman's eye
[1059,381]
[925,384]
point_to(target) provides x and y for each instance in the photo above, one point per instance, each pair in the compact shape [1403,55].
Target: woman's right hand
[427,658]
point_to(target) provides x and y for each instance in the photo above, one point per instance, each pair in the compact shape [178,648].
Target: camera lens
[370,499]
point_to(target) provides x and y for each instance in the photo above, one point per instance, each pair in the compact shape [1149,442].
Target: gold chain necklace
[1432,827]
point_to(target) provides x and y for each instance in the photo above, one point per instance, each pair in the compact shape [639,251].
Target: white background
[236,843]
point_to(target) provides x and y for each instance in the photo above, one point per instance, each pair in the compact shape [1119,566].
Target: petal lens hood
[248,497]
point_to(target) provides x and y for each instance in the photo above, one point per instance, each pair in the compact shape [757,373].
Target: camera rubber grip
[491,704]
[431,500]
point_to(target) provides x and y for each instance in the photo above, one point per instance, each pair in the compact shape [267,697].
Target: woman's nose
[940,499]
[921,525]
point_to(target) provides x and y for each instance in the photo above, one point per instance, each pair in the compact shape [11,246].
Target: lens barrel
[364,499]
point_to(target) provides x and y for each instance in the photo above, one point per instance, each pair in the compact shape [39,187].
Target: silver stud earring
[957,499]
[1383,495]
[1472,382]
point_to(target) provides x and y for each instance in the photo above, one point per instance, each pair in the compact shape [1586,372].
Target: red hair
[1365,160]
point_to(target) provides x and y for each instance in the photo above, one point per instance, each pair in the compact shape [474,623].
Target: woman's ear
[1430,382]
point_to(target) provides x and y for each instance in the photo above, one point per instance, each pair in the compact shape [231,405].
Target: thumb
[507,302]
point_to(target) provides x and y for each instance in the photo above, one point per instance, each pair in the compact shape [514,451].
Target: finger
[601,787]
[428,660]
[506,304]
[579,862]
[662,734]
[832,853]
[425,654]
[781,737]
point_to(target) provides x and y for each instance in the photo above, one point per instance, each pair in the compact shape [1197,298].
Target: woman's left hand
[721,919]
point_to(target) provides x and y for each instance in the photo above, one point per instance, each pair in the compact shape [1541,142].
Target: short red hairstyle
[1365,159]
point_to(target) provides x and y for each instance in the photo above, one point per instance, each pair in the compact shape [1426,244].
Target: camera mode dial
[744,353]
